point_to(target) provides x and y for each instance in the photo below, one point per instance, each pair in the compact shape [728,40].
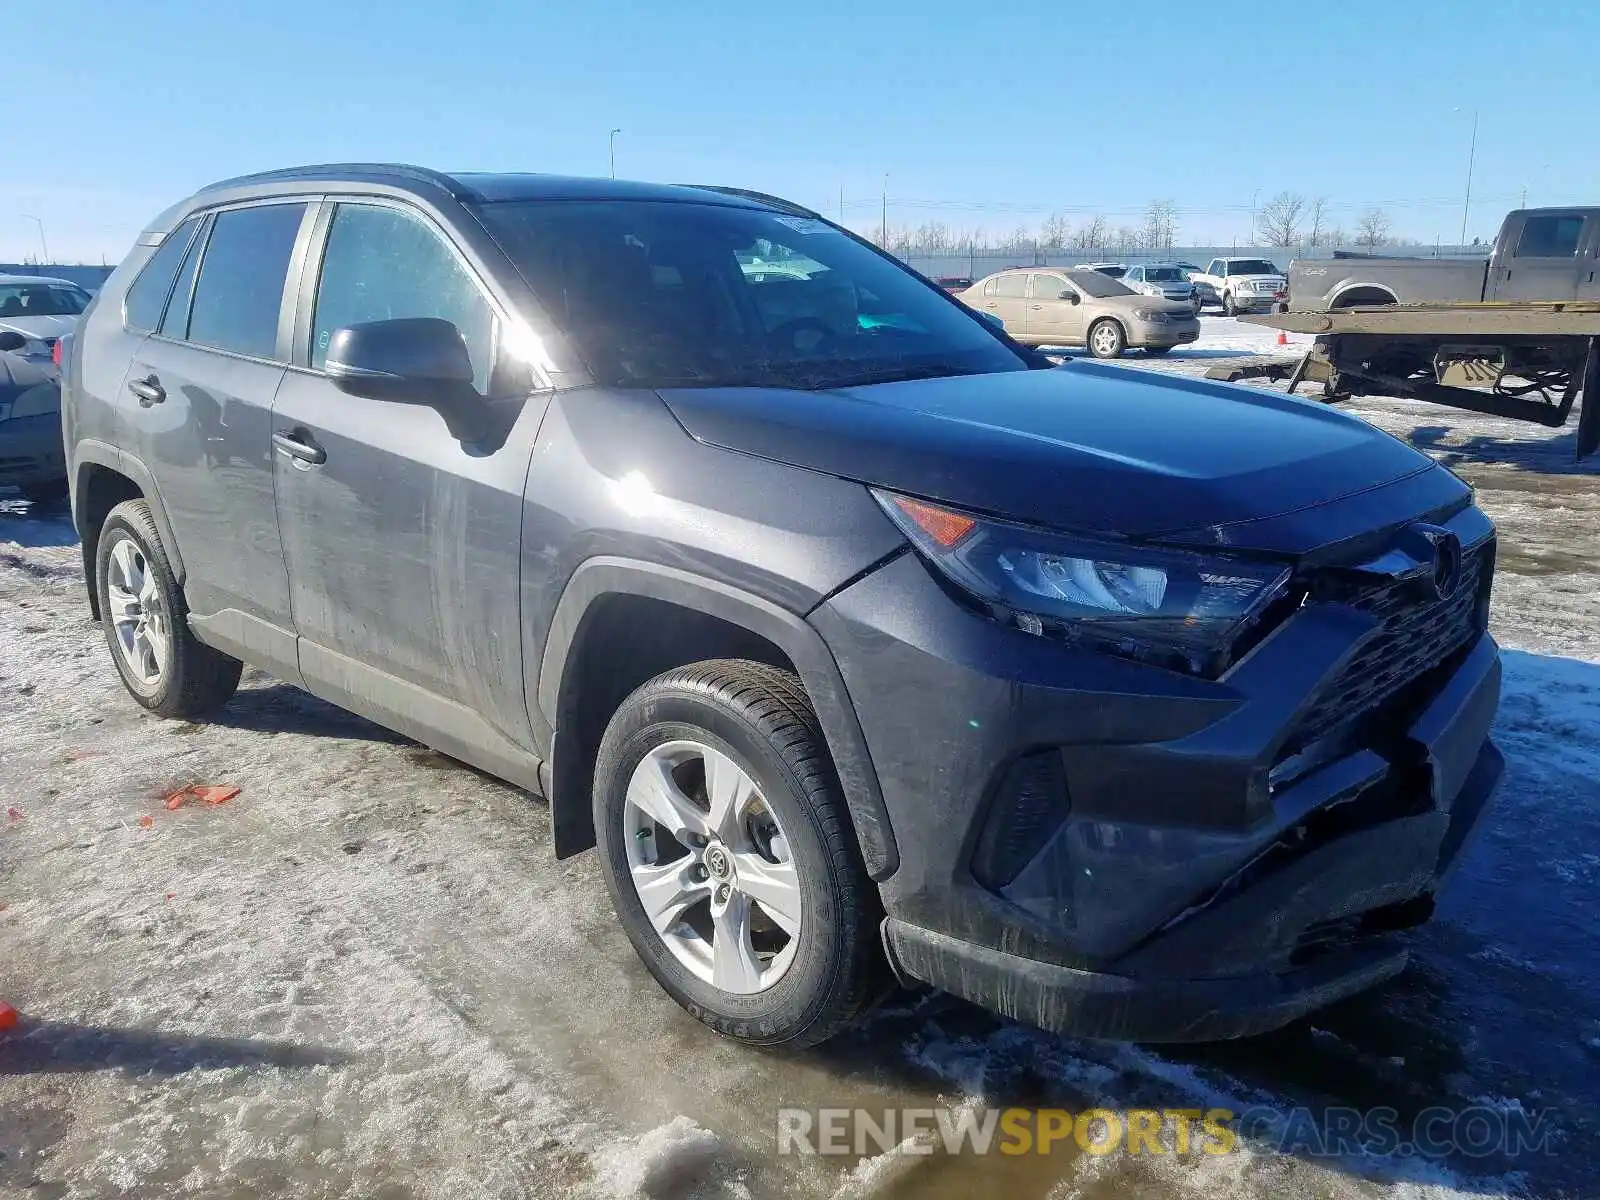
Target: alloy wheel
[143,635]
[712,867]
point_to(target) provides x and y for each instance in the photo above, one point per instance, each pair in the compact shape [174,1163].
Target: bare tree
[1160,224]
[1092,235]
[1372,230]
[1126,238]
[1317,233]
[1279,219]
[934,238]
[1055,232]
[1020,238]
[1336,237]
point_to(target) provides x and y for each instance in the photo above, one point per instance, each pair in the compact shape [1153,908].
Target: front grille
[1419,632]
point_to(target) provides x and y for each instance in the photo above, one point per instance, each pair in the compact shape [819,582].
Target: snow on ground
[366,977]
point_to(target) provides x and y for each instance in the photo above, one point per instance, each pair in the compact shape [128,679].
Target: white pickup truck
[1243,284]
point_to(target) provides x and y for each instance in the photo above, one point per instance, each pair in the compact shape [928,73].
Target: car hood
[39,327]
[1084,447]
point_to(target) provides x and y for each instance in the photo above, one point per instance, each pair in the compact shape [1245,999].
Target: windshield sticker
[806,225]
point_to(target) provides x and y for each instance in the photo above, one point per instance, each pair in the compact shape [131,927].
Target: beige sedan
[1059,307]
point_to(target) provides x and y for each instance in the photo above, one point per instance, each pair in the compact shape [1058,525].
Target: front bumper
[1164,871]
[1167,333]
[31,450]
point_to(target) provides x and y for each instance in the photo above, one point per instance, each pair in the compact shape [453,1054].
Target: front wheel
[1228,310]
[164,667]
[1106,339]
[730,855]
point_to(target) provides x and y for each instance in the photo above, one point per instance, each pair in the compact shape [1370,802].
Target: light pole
[614,133]
[1253,196]
[44,245]
[883,229]
[1472,154]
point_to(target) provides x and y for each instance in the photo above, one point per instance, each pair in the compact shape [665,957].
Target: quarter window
[148,295]
[1554,236]
[383,264]
[239,294]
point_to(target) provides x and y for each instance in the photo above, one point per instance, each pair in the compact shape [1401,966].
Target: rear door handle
[148,390]
[299,445]
[1036,307]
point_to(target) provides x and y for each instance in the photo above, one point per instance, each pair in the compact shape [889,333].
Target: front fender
[607,575]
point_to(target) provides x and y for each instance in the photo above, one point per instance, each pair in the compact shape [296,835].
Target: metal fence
[976,263]
[89,278]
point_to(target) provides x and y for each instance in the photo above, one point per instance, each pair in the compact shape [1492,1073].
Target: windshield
[664,294]
[41,300]
[1164,275]
[1099,285]
[1252,266]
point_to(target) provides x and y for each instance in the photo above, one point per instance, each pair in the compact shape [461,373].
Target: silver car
[41,309]
[1166,280]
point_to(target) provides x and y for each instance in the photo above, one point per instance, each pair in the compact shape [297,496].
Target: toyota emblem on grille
[1446,562]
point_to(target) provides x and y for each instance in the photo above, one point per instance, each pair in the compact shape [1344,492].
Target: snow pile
[662,1163]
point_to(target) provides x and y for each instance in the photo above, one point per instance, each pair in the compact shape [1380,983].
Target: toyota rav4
[862,642]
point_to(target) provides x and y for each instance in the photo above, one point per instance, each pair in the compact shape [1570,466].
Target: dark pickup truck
[1539,254]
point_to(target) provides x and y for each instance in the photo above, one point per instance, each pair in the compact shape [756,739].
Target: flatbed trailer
[1525,360]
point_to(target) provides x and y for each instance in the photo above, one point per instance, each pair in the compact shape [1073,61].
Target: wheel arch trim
[606,575]
[91,452]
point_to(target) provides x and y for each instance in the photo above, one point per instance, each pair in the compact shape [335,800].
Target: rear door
[1006,296]
[1543,261]
[402,540]
[199,395]
[1051,320]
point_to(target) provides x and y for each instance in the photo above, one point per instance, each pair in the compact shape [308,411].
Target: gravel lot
[365,976]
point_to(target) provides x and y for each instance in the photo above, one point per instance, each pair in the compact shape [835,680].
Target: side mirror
[1071,297]
[11,340]
[409,360]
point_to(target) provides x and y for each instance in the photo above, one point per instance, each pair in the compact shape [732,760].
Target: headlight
[1150,314]
[1171,608]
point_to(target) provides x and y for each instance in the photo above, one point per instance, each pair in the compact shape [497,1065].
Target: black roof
[489,188]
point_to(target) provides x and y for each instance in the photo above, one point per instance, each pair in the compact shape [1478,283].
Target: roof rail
[365,170]
[778,202]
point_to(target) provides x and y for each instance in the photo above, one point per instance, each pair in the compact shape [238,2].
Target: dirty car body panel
[1065,829]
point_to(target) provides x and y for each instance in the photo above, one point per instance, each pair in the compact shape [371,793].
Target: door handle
[299,445]
[991,304]
[1036,307]
[148,390]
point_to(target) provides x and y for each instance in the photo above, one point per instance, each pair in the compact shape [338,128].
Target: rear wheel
[164,667]
[1106,339]
[730,856]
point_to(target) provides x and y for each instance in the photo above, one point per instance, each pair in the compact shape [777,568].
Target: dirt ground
[365,976]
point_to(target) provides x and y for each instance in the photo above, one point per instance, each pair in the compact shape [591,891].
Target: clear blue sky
[981,113]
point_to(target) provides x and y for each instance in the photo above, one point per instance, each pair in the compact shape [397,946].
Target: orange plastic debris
[8,1015]
[210,793]
[146,821]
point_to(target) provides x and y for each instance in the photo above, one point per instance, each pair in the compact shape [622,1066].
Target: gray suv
[863,642]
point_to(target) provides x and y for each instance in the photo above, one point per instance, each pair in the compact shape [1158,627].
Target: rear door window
[239,294]
[147,298]
[384,264]
[1013,287]
[176,323]
[1555,235]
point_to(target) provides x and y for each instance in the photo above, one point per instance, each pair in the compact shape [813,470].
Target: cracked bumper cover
[1188,896]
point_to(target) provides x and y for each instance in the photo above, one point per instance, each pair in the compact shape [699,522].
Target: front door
[403,542]
[200,391]
[1543,262]
[1052,319]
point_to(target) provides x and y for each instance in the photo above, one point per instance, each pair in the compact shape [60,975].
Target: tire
[826,973]
[48,494]
[1157,351]
[1109,346]
[1228,309]
[189,679]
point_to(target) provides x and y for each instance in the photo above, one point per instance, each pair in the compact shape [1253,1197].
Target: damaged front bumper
[1147,857]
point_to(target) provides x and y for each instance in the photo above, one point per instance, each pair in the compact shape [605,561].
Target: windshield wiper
[895,374]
